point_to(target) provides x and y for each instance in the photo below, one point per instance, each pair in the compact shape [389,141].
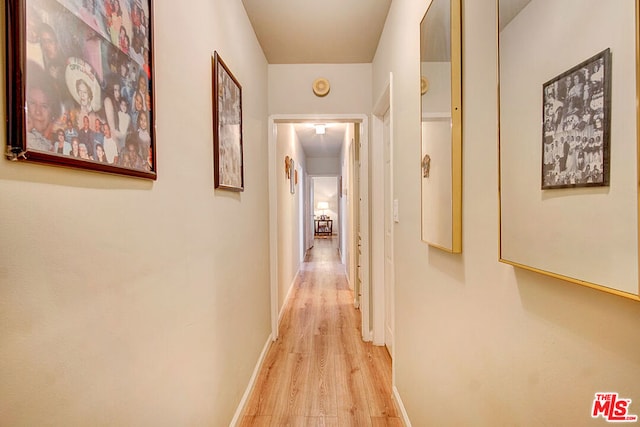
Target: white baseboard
[252,382]
[286,299]
[403,411]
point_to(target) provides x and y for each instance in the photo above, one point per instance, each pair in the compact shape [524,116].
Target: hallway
[319,372]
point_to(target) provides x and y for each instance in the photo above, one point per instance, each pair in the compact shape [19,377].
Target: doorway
[326,207]
[345,225]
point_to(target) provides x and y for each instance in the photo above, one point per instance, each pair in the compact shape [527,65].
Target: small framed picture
[80,84]
[576,125]
[227,128]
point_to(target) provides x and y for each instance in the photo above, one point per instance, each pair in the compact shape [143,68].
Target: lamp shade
[323,205]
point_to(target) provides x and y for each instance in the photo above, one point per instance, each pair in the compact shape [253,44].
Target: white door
[388,234]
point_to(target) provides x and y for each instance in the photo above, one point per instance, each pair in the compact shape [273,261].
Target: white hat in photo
[79,70]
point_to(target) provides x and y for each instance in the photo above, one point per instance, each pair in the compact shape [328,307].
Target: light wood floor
[319,372]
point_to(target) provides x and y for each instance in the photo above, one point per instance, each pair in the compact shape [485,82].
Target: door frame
[378,208]
[274,167]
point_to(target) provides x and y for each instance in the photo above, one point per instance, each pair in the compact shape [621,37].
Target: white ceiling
[327,145]
[322,32]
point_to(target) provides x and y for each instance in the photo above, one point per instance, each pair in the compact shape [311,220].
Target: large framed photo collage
[80,84]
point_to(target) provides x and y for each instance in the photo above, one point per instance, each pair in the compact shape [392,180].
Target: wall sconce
[320,129]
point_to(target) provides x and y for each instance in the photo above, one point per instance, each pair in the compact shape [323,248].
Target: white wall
[290,230]
[290,88]
[323,165]
[438,98]
[479,342]
[129,302]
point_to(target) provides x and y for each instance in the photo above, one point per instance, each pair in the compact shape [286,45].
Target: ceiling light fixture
[320,129]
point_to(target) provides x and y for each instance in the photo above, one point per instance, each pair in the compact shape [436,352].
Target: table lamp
[323,206]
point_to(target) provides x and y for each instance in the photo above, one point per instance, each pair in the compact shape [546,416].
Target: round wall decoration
[321,86]
[424,85]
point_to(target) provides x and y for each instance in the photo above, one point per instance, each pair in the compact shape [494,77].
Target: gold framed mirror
[568,143]
[441,122]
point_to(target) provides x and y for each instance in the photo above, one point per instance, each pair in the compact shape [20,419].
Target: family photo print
[80,90]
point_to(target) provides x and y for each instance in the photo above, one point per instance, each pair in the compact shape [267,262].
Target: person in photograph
[61,146]
[98,136]
[126,84]
[548,157]
[123,40]
[557,148]
[571,119]
[75,147]
[85,99]
[136,16]
[597,76]
[136,48]
[586,176]
[142,88]
[598,121]
[565,147]
[124,122]
[148,164]
[596,174]
[589,150]
[571,164]
[146,67]
[84,152]
[585,118]
[54,59]
[34,48]
[107,5]
[111,103]
[43,109]
[138,108]
[580,155]
[110,145]
[100,155]
[144,136]
[576,93]
[130,156]
[116,23]
[564,85]
[598,151]
[70,131]
[85,135]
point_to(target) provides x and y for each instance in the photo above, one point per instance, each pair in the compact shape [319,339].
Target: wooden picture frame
[80,86]
[227,128]
[576,125]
